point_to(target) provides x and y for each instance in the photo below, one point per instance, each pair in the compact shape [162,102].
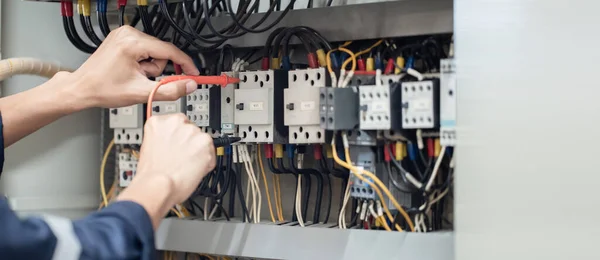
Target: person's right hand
[174,147]
[175,156]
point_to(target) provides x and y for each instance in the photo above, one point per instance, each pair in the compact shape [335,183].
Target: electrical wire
[102,169]
[262,171]
[359,173]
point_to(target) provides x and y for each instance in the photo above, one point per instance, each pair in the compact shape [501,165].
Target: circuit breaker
[197,106]
[227,106]
[259,106]
[127,169]
[127,124]
[448,103]
[301,112]
[364,159]
[338,108]
[420,104]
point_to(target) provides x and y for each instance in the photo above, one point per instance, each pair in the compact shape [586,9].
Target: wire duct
[29,66]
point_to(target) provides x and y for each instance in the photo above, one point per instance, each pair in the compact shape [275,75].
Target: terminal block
[259,106]
[301,100]
[420,104]
[126,117]
[448,103]
[228,106]
[377,109]
[338,108]
[127,169]
[168,107]
[362,80]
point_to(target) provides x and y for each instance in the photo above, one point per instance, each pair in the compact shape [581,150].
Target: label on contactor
[307,105]
[378,107]
[202,107]
[227,126]
[256,106]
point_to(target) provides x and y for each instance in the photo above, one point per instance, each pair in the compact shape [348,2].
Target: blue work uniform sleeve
[123,230]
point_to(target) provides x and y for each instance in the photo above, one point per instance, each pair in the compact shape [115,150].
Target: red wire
[222,80]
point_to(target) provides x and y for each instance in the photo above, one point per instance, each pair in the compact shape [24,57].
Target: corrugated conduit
[29,66]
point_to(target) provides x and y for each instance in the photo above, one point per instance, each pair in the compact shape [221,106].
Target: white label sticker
[378,107]
[171,108]
[227,126]
[127,111]
[202,107]
[422,104]
[256,106]
[307,105]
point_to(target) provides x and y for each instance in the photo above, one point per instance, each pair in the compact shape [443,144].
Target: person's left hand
[116,75]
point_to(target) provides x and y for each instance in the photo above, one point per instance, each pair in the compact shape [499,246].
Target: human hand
[174,158]
[116,75]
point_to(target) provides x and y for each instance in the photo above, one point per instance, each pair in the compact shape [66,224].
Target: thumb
[174,90]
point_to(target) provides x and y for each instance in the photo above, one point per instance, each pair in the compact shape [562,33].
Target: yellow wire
[350,167]
[102,168]
[277,197]
[176,213]
[385,225]
[262,171]
[345,44]
[351,59]
[386,191]
[280,201]
[365,51]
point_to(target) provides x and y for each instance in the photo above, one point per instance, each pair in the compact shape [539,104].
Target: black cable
[232,189]
[309,5]
[329,2]
[282,168]
[79,42]
[73,40]
[188,37]
[330,200]
[223,210]
[245,215]
[252,28]
[88,29]
[122,15]
[308,172]
[145,17]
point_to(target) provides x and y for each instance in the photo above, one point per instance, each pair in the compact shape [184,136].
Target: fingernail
[190,87]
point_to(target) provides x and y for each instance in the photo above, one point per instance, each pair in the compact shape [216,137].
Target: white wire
[256,196]
[298,201]
[436,168]
[252,188]
[342,77]
[415,74]
[333,79]
[205,209]
[342,217]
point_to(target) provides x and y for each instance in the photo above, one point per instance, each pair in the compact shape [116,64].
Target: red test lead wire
[222,80]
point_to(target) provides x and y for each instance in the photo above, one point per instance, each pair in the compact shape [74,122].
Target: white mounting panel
[197,109]
[448,88]
[127,169]
[417,105]
[126,117]
[301,101]
[255,119]
[375,107]
[168,107]
[128,135]
[228,106]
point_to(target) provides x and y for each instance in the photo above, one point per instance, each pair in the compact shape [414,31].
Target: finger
[160,50]
[153,68]
[173,90]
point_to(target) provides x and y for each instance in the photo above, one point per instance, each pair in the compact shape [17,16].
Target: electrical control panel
[420,104]
[448,103]
[259,106]
[338,108]
[126,117]
[301,112]
[168,107]
[127,169]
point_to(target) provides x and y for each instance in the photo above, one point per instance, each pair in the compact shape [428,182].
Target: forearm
[153,193]
[28,111]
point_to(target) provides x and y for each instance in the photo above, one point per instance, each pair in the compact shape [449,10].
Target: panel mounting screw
[290,106]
